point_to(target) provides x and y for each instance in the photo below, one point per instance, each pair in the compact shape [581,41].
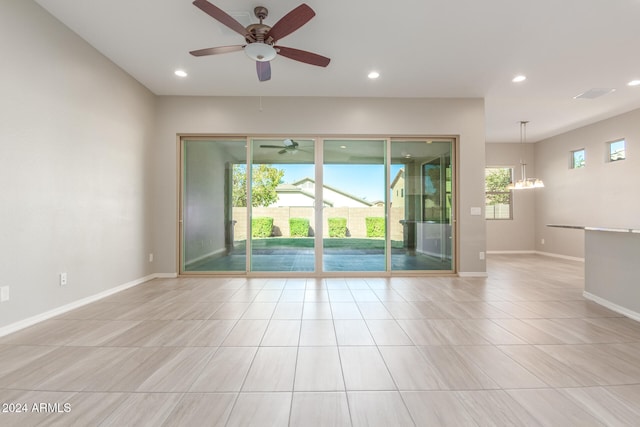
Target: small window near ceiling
[498,201]
[577,159]
[616,150]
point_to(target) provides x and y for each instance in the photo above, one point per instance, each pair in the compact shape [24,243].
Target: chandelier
[524,182]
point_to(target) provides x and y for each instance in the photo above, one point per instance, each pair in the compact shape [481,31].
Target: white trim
[570,258]
[549,254]
[30,321]
[511,252]
[612,306]
[164,276]
[473,274]
[611,230]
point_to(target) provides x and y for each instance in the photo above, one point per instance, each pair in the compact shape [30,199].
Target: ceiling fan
[261,39]
[288,146]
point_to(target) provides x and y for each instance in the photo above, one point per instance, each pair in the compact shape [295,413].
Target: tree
[496,181]
[265,179]
[239,197]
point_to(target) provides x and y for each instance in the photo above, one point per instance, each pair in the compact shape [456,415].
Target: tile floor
[522,347]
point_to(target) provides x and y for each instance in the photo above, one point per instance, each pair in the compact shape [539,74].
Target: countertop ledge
[607,229]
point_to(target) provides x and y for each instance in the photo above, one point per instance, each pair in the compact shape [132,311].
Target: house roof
[334,189]
[399,175]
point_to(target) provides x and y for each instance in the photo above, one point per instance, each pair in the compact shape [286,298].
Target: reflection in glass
[209,220]
[422,203]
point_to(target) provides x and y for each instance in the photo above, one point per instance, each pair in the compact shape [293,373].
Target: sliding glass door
[354,213]
[283,200]
[212,229]
[314,206]
[421,194]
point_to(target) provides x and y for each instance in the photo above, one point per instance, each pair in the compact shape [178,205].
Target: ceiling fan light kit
[260,52]
[261,39]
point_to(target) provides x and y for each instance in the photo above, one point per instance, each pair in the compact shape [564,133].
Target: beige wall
[75,134]
[517,234]
[602,194]
[291,116]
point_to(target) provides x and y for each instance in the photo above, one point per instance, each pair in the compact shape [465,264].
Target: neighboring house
[302,193]
[397,190]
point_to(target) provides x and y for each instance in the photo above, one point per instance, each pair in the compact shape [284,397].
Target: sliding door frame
[318,211]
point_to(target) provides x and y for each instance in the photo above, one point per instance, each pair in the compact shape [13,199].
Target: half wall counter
[612,268]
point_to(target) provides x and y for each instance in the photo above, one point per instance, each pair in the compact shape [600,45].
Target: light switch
[475,211]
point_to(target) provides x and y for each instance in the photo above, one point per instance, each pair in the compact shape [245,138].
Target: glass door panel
[212,230]
[354,209]
[422,203]
[282,205]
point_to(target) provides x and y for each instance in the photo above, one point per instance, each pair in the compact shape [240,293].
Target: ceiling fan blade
[303,56]
[291,22]
[221,16]
[264,70]
[216,50]
[271,146]
[282,151]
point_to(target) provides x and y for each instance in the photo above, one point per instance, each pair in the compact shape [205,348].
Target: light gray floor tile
[317,333]
[281,333]
[378,408]
[273,369]
[352,332]
[364,369]
[261,409]
[318,369]
[320,410]
[441,408]
[226,370]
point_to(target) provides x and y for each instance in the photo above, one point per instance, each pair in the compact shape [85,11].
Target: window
[577,159]
[616,150]
[498,201]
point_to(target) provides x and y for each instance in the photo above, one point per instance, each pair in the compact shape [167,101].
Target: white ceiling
[422,48]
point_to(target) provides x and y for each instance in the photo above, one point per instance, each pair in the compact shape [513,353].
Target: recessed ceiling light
[180,73]
[374,75]
[634,83]
[343,146]
[518,79]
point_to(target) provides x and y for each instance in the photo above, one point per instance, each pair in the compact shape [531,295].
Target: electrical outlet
[4,294]
[150,257]
[63,279]
[481,255]
[542,241]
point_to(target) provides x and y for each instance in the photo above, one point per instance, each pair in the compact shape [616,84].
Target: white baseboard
[30,321]
[570,258]
[165,276]
[549,254]
[472,274]
[511,252]
[612,306]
